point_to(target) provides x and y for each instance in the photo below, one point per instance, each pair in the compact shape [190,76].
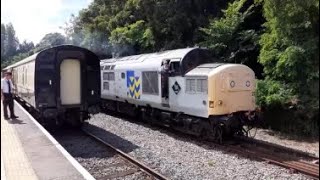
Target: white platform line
[74,162]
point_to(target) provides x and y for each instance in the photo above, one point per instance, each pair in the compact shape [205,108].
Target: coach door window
[24,76]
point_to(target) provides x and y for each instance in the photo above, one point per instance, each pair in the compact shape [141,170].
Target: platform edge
[74,162]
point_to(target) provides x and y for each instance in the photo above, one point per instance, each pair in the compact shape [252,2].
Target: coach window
[23,76]
[16,77]
[26,73]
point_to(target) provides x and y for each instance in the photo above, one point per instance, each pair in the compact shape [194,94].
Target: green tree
[137,36]
[11,42]
[49,40]
[290,56]
[164,24]
[290,46]
[3,38]
[235,36]
[25,47]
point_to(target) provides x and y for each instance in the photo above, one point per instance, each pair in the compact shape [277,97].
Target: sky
[32,19]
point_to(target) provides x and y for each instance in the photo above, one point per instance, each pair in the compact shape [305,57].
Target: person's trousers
[8,101]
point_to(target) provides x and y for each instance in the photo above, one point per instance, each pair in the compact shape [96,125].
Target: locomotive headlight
[248,83]
[232,84]
[211,104]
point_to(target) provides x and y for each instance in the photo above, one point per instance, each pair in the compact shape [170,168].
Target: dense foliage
[235,37]
[138,26]
[279,40]
[290,56]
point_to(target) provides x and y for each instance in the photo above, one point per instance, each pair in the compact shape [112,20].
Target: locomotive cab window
[175,68]
[123,75]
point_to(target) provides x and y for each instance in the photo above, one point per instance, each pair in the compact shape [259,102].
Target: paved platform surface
[28,152]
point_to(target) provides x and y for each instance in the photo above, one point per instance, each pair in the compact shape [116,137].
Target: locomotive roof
[188,58]
[169,54]
[204,69]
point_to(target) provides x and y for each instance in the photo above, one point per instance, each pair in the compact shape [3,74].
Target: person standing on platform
[7,96]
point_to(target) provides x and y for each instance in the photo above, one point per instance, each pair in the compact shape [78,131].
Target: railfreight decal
[133,85]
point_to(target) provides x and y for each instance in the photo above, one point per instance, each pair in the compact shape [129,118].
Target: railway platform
[29,152]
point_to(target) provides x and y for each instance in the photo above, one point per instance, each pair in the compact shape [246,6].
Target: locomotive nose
[232,90]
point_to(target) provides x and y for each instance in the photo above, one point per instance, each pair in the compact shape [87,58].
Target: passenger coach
[61,84]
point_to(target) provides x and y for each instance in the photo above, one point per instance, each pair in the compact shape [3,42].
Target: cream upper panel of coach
[26,60]
[231,89]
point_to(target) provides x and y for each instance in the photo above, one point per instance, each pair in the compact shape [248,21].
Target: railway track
[294,160]
[129,160]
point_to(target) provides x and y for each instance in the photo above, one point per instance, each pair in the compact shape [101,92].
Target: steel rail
[141,165]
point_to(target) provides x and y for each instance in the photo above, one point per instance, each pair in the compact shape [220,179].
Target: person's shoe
[14,117]
[6,118]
